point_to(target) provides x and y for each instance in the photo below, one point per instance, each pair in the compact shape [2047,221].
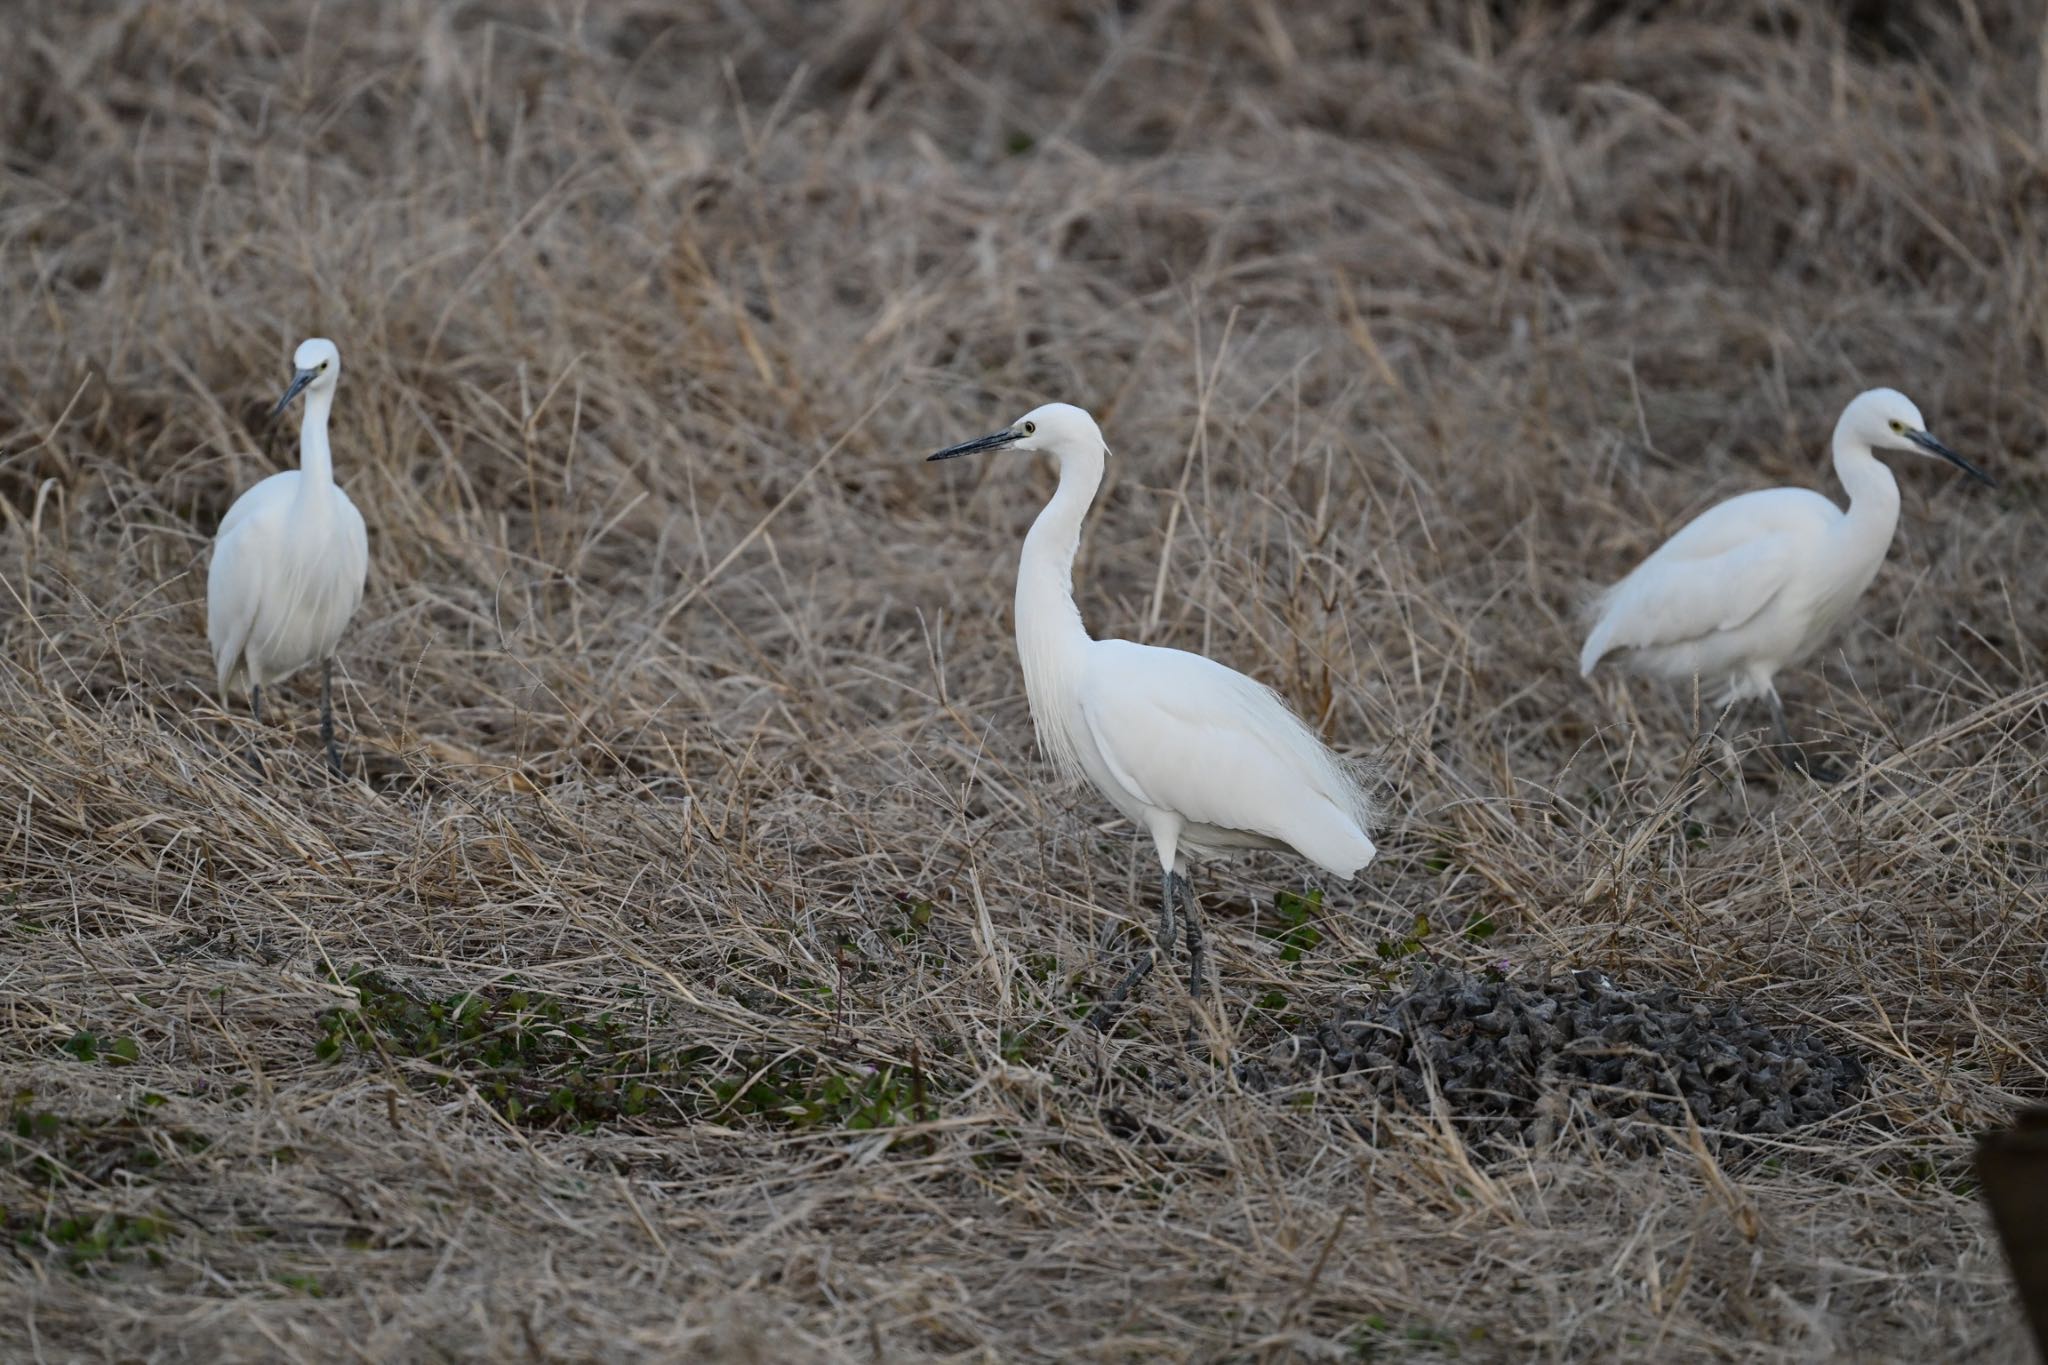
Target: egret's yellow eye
[1030,427]
[1897,425]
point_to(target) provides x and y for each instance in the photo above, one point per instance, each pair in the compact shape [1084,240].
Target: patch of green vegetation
[85,1240]
[50,1150]
[916,918]
[1025,1046]
[1932,1171]
[18,920]
[1274,1004]
[1295,932]
[793,1091]
[302,1284]
[1393,950]
[1378,1339]
[1057,990]
[544,1064]
[1388,952]
[87,1046]
[52,1153]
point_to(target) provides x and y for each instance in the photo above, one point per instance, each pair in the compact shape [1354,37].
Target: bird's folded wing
[231,594]
[1672,598]
[1208,744]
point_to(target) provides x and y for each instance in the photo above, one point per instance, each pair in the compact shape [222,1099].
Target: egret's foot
[256,715]
[1794,759]
[1824,772]
[1792,754]
[256,762]
[1111,1003]
[1108,1007]
[1195,941]
[327,717]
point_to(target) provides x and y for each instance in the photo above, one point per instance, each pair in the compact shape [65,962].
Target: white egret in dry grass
[1202,758]
[289,560]
[1758,582]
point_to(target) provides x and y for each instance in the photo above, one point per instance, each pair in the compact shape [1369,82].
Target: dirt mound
[1522,1060]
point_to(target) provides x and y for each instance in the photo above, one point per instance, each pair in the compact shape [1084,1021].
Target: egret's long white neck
[1873,492]
[316,463]
[1051,640]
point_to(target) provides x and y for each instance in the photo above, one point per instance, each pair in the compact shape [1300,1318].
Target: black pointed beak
[995,441]
[299,381]
[1934,447]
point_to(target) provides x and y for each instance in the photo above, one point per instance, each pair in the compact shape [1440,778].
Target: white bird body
[1203,758]
[1759,582]
[289,564]
[290,558]
[1748,587]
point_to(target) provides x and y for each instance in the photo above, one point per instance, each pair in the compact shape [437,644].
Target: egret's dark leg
[1792,754]
[1194,921]
[256,715]
[1099,1016]
[327,715]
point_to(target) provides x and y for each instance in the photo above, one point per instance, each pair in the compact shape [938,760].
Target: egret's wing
[1185,734]
[1716,574]
[231,598]
[356,546]
[265,493]
[234,580]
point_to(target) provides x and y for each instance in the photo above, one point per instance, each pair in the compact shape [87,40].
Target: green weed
[545,1064]
[1295,932]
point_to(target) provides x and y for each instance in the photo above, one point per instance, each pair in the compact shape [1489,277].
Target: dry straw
[684,691]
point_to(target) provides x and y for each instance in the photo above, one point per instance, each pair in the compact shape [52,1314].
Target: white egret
[1758,582]
[1202,758]
[289,560]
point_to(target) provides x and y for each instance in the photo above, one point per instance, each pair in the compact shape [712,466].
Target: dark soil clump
[1523,1061]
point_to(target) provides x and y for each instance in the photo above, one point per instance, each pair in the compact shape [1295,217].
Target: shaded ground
[1515,1062]
[690,964]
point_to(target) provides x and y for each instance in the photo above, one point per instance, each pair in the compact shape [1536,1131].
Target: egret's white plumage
[1757,583]
[1202,758]
[290,558]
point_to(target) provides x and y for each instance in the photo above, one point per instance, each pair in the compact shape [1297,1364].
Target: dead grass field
[686,733]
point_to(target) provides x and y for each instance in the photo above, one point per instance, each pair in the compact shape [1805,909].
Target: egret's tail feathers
[227,658]
[1370,851]
[1345,845]
[1333,838]
[1599,612]
[1595,650]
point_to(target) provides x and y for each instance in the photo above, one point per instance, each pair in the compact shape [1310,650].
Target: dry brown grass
[678,668]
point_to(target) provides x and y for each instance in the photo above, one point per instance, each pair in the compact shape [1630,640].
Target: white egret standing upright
[1202,758]
[289,560]
[1760,581]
